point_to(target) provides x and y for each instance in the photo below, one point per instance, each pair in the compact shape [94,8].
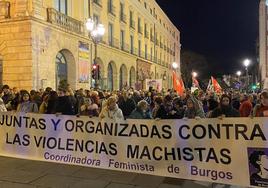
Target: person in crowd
[158,101]
[136,97]
[142,111]
[52,102]
[25,105]
[212,104]
[2,106]
[44,104]
[225,108]
[111,110]
[261,110]
[7,96]
[64,104]
[72,99]
[35,97]
[126,104]
[88,108]
[236,101]
[178,108]
[245,106]
[193,108]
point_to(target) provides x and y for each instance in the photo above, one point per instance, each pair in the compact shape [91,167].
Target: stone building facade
[40,39]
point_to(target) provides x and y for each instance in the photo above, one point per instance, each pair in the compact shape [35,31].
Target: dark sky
[225,31]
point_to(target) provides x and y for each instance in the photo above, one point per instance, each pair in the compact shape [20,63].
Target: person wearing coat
[141,111]
[225,108]
[111,111]
[193,108]
[25,105]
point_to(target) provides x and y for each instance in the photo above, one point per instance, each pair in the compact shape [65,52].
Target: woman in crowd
[25,105]
[141,111]
[52,102]
[111,110]
[225,108]
[88,108]
[261,110]
[193,108]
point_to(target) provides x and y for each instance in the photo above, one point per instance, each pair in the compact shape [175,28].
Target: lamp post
[95,32]
[246,64]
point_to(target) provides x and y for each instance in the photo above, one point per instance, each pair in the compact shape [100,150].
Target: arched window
[61,68]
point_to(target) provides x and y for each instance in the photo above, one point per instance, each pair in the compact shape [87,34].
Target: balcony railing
[111,9]
[65,22]
[97,2]
[132,24]
[123,17]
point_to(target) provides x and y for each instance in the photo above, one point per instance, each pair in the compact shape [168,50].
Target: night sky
[224,31]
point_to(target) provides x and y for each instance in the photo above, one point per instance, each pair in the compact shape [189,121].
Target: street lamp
[95,32]
[175,65]
[194,74]
[246,64]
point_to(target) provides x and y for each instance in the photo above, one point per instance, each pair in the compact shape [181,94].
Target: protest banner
[156,84]
[230,151]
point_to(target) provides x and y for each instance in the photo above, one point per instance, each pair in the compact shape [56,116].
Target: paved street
[15,173]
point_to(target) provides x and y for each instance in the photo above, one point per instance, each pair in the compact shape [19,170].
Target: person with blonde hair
[111,110]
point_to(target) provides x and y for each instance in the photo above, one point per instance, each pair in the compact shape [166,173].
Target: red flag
[182,86]
[216,85]
[178,84]
[195,82]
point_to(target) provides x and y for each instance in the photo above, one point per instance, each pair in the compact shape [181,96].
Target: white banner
[229,151]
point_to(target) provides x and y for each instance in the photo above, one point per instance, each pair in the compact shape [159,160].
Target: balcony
[98,3]
[146,34]
[140,30]
[111,9]
[65,22]
[132,24]
[123,18]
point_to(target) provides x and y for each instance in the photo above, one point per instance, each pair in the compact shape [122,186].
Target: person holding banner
[225,109]
[25,105]
[141,111]
[111,110]
[193,108]
[261,110]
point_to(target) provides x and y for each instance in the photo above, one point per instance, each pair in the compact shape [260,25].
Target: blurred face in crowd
[112,105]
[6,91]
[25,97]
[190,104]
[225,101]
[264,100]
[61,93]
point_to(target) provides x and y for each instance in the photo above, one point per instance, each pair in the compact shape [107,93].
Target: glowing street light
[175,65]
[246,63]
[194,74]
[238,73]
[95,32]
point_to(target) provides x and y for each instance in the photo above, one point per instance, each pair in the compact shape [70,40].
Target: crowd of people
[132,104]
